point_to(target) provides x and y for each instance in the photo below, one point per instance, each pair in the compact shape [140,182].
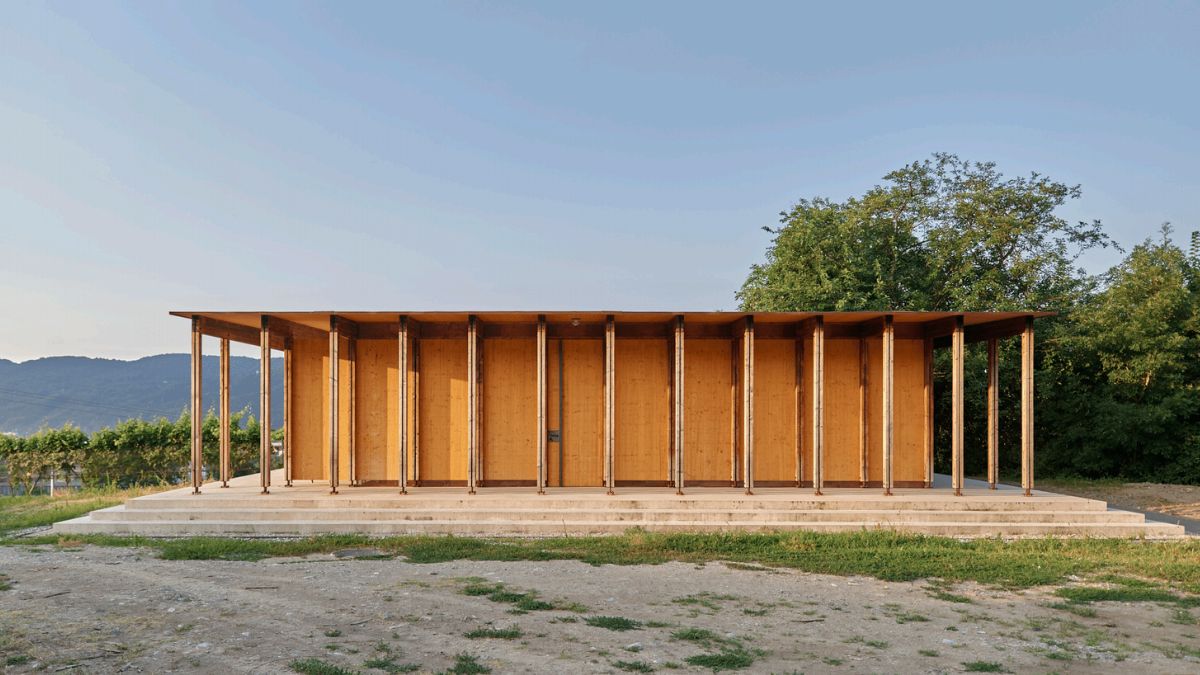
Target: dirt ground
[1177,500]
[96,609]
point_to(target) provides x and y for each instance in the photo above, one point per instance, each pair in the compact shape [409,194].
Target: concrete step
[88,525]
[276,500]
[607,515]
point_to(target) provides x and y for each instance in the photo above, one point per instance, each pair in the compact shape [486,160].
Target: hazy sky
[415,155]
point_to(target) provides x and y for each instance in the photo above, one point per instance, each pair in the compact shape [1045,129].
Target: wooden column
[197,405]
[288,391]
[223,374]
[993,413]
[1027,407]
[748,405]
[264,407]
[818,402]
[888,382]
[472,401]
[677,431]
[402,403]
[928,399]
[956,414]
[610,393]
[352,357]
[334,339]
[864,474]
[541,404]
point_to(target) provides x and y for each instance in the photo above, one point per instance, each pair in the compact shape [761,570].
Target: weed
[618,623]
[389,665]
[1087,594]
[510,633]
[17,659]
[333,632]
[467,664]
[1078,610]
[726,659]
[1183,616]
[928,652]
[984,667]
[318,667]
[633,666]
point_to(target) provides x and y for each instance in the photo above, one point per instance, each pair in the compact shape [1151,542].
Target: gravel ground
[95,609]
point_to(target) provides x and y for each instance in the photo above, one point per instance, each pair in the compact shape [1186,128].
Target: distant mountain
[95,393]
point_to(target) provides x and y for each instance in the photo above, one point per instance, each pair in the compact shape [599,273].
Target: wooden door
[575,376]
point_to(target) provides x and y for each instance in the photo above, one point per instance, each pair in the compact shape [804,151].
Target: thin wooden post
[928,399]
[993,413]
[1027,407]
[888,381]
[864,474]
[352,357]
[288,391]
[610,386]
[223,375]
[678,404]
[818,402]
[402,403]
[197,405]
[472,400]
[334,339]
[956,416]
[748,405]
[541,404]
[264,407]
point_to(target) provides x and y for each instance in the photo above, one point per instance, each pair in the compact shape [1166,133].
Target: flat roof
[933,324]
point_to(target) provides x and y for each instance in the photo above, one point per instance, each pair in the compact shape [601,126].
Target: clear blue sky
[414,155]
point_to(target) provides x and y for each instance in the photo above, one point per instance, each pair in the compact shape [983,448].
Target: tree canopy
[1117,370]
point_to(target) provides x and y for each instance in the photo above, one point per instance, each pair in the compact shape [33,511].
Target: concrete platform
[308,508]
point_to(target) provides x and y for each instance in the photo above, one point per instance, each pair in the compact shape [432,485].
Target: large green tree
[943,234]
[1124,376]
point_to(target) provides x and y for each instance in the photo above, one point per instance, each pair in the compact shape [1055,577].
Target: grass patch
[984,667]
[726,659]
[705,638]
[1076,609]
[928,652]
[633,666]
[22,512]
[5,583]
[468,664]
[709,601]
[510,633]
[1183,617]
[333,632]
[1087,594]
[618,623]
[890,556]
[389,665]
[318,667]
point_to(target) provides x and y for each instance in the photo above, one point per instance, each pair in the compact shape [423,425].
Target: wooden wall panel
[774,410]
[583,424]
[908,411]
[806,411]
[510,410]
[344,410]
[842,367]
[376,411]
[643,410]
[310,427]
[708,410]
[875,411]
[443,405]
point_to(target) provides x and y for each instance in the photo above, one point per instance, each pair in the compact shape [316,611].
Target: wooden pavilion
[611,399]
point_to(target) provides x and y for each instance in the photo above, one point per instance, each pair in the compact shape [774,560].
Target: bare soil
[96,609]
[1172,499]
